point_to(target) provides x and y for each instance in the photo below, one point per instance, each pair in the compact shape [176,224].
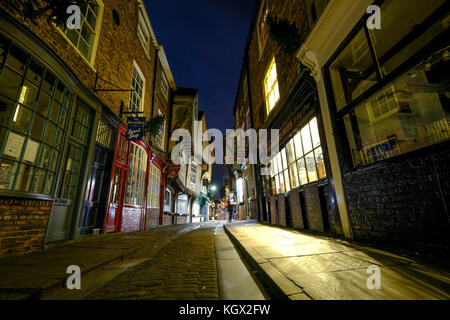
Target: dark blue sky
[204,42]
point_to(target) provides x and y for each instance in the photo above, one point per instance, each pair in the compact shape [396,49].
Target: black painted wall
[403,203]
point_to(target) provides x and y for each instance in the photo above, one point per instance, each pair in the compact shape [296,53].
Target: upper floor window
[271,91]
[86,38]
[164,86]
[194,173]
[143,32]
[262,26]
[160,137]
[137,95]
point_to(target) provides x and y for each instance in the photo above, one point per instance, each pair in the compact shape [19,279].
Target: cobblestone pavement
[185,269]
[46,269]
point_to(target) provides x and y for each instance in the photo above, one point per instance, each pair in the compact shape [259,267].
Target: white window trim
[90,62]
[142,24]
[136,66]
[164,82]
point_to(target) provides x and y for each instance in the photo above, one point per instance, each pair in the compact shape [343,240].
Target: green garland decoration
[153,125]
[286,35]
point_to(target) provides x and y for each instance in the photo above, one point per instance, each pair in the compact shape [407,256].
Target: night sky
[204,41]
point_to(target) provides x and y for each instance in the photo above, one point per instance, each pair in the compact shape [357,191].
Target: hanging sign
[136,128]
[173,170]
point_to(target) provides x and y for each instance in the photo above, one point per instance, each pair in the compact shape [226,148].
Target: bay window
[34,108]
[391,85]
[300,162]
[135,191]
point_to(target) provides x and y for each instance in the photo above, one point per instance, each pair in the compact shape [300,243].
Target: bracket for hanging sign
[121,112]
[109,90]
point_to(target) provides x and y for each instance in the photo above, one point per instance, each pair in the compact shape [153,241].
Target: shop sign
[136,128]
[173,170]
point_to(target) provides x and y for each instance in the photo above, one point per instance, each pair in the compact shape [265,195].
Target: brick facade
[287,64]
[22,224]
[117,50]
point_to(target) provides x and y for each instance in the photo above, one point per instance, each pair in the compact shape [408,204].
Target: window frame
[276,172]
[274,86]
[261,46]
[90,60]
[164,83]
[337,116]
[154,187]
[138,183]
[63,103]
[141,104]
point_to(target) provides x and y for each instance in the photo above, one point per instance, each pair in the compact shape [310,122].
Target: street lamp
[213,188]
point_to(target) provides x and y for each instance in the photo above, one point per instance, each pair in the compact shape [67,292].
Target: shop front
[128,193]
[47,125]
[391,105]
[297,192]
[385,100]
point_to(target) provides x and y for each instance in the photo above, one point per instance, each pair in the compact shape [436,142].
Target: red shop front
[129,185]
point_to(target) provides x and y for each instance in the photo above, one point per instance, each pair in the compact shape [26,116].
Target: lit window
[135,194]
[137,95]
[409,110]
[143,33]
[34,110]
[301,162]
[154,184]
[85,38]
[271,87]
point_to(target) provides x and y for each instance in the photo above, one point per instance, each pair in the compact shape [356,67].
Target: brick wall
[118,46]
[403,203]
[22,225]
[295,12]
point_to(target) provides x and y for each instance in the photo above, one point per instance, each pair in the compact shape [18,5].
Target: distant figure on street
[231,202]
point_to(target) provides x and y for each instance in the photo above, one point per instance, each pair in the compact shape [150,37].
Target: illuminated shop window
[271,87]
[410,110]
[135,191]
[154,185]
[300,162]
[34,110]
